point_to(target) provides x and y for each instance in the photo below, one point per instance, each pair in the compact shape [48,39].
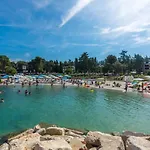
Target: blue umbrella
[5,77]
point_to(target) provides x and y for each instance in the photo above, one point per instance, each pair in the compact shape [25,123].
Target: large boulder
[55,131]
[126,134]
[137,143]
[52,145]
[5,146]
[27,132]
[104,141]
[25,142]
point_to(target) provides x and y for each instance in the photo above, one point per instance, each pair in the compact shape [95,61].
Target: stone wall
[57,138]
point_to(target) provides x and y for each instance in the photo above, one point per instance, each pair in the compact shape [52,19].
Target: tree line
[84,64]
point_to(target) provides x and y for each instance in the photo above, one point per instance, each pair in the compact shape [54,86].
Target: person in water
[26,92]
[2,100]
[18,91]
[64,85]
[29,93]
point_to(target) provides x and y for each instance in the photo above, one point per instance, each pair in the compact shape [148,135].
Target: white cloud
[27,55]
[41,3]
[125,17]
[134,27]
[142,40]
[74,10]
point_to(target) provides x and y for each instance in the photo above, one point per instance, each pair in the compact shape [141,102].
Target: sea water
[102,110]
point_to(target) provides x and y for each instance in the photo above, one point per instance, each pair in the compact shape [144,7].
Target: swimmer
[2,100]
[18,91]
[29,93]
[26,92]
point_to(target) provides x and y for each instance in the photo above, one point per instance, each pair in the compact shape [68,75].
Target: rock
[37,127]
[137,143]
[125,135]
[49,137]
[41,131]
[92,140]
[70,133]
[25,142]
[5,146]
[77,144]
[68,138]
[74,131]
[55,131]
[30,131]
[94,148]
[52,145]
[105,141]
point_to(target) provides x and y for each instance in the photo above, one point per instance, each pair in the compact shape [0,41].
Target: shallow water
[103,110]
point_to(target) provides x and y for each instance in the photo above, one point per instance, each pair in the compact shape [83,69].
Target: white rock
[108,142]
[55,131]
[37,127]
[25,142]
[52,145]
[27,132]
[41,131]
[77,144]
[137,143]
[5,146]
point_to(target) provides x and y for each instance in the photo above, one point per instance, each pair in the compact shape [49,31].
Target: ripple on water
[103,110]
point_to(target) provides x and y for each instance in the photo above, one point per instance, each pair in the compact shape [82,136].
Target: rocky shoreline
[57,138]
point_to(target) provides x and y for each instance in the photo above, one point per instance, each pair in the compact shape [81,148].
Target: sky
[64,29]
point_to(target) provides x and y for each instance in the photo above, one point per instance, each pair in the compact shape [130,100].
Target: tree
[83,62]
[10,70]
[76,63]
[138,63]
[108,66]
[37,64]
[4,62]
[60,67]
[118,67]
[111,59]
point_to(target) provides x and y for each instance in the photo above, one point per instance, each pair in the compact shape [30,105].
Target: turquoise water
[103,110]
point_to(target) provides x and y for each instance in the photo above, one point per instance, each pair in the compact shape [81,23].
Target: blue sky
[63,29]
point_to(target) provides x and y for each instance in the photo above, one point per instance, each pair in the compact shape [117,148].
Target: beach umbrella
[5,77]
[52,76]
[138,79]
[40,77]
[67,76]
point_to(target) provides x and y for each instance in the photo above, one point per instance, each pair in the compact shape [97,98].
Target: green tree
[111,59]
[37,64]
[83,62]
[10,70]
[4,62]
[118,67]
[138,63]
[108,66]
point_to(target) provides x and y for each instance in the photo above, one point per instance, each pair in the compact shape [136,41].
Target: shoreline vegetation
[44,137]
